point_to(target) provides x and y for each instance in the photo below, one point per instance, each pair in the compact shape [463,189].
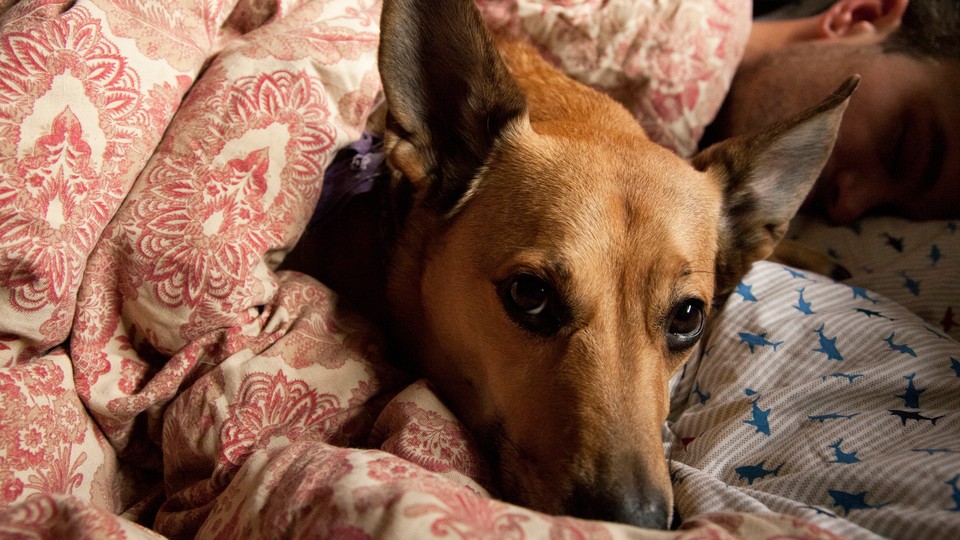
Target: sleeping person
[899,146]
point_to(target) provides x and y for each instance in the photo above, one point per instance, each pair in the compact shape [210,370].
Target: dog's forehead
[604,180]
[623,199]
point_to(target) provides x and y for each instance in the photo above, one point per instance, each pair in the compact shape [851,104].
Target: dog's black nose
[641,507]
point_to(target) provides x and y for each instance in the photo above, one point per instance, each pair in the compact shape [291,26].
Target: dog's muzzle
[648,510]
[623,495]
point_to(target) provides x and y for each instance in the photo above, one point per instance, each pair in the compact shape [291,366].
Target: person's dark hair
[929,28]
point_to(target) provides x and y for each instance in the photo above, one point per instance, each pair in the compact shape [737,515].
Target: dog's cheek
[475,344]
[462,327]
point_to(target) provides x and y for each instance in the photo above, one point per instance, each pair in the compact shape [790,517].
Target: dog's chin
[607,497]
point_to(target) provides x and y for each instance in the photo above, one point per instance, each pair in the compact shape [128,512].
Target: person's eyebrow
[938,152]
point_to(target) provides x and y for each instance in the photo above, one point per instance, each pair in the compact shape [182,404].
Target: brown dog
[551,268]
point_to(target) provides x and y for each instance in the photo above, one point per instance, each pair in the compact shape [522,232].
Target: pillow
[670,63]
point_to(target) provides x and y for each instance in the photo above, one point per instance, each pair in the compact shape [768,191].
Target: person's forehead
[937,77]
[897,87]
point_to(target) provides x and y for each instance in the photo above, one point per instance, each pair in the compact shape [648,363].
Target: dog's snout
[632,505]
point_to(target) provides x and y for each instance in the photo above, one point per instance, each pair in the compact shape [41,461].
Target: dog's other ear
[448,91]
[767,177]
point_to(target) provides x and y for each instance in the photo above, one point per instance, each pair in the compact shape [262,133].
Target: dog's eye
[529,294]
[685,325]
[532,303]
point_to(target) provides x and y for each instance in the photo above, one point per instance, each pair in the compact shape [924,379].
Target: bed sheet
[158,377]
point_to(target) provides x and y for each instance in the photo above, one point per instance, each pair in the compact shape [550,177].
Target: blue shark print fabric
[916,264]
[827,401]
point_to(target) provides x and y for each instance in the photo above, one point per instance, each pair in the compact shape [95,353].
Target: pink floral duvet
[157,376]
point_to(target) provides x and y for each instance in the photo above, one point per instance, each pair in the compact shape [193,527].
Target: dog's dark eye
[529,294]
[685,325]
[532,303]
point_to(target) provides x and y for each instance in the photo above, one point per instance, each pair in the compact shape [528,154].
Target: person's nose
[854,194]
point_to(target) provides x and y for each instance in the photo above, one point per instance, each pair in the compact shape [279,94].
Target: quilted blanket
[159,377]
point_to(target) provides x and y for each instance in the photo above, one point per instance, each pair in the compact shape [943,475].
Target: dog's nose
[643,507]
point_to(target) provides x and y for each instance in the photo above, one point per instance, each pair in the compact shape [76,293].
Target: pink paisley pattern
[44,432]
[305,28]
[198,253]
[68,516]
[55,176]
[206,222]
[325,336]
[69,164]
[463,514]
[176,31]
[439,442]
[269,407]
[418,427]
[152,362]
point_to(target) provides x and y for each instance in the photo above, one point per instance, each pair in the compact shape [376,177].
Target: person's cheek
[855,192]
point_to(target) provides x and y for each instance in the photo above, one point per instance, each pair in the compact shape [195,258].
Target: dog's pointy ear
[766,178]
[449,94]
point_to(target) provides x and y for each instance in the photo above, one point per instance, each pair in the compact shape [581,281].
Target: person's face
[898,151]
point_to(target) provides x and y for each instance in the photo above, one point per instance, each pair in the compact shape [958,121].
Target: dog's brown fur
[510,176]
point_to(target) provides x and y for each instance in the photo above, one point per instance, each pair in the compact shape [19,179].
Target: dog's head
[555,268]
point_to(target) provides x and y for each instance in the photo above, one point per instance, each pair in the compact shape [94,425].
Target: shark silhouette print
[757,340]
